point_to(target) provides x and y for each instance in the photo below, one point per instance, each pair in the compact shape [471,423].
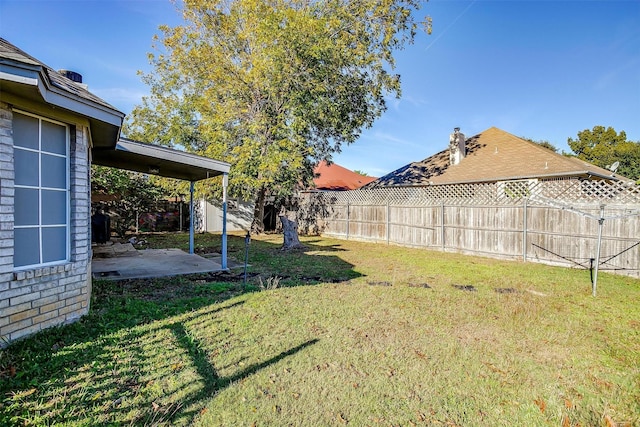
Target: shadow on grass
[213,383]
[104,367]
[336,247]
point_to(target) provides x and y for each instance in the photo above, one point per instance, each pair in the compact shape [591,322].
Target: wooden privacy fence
[561,222]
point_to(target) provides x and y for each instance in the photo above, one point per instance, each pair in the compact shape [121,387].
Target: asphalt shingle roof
[492,155]
[11,53]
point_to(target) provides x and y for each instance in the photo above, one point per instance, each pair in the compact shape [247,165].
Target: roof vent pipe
[71,75]
[457,149]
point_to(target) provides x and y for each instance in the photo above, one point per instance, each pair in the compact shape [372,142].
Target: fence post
[524,231]
[347,220]
[442,225]
[388,221]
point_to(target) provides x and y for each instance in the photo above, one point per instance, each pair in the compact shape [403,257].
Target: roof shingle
[493,155]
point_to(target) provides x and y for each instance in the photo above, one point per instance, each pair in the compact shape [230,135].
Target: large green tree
[543,143]
[604,146]
[124,193]
[273,86]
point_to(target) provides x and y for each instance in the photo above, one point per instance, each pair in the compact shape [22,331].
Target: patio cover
[169,163]
[157,160]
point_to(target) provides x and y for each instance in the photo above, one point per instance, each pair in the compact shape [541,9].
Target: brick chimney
[457,149]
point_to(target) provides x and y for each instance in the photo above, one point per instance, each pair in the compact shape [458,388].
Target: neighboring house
[51,129]
[492,156]
[334,177]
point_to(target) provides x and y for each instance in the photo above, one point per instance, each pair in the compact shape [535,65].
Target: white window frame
[42,186]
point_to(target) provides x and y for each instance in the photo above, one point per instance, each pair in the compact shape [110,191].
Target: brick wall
[32,300]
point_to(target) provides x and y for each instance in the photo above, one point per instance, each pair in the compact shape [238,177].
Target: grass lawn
[341,333]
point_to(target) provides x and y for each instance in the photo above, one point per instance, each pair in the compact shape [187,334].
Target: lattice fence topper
[558,193]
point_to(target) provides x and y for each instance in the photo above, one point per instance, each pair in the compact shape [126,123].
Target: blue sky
[540,69]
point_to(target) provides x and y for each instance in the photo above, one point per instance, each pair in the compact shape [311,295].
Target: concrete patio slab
[123,261]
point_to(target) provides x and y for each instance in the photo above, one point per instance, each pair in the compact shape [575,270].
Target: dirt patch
[507,291]
[467,288]
[379,283]
[162,289]
[221,276]
[420,285]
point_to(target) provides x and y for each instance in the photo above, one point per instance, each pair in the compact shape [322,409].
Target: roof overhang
[584,175]
[23,80]
[19,80]
[157,160]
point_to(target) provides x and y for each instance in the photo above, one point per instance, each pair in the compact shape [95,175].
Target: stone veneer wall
[32,300]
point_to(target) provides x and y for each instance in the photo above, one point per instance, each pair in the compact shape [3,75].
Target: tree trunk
[257,225]
[290,232]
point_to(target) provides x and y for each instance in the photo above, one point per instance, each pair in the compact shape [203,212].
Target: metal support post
[191,218]
[595,272]
[225,183]
[247,240]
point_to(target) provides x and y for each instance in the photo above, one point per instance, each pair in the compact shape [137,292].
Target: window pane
[41,213]
[25,131]
[54,171]
[26,167]
[54,207]
[26,249]
[54,138]
[54,244]
[27,206]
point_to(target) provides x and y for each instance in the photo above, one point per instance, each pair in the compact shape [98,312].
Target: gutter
[551,175]
[511,178]
[18,79]
[105,121]
[64,99]
[171,155]
[36,76]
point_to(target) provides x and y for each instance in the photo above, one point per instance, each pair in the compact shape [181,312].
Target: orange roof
[493,155]
[335,177]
